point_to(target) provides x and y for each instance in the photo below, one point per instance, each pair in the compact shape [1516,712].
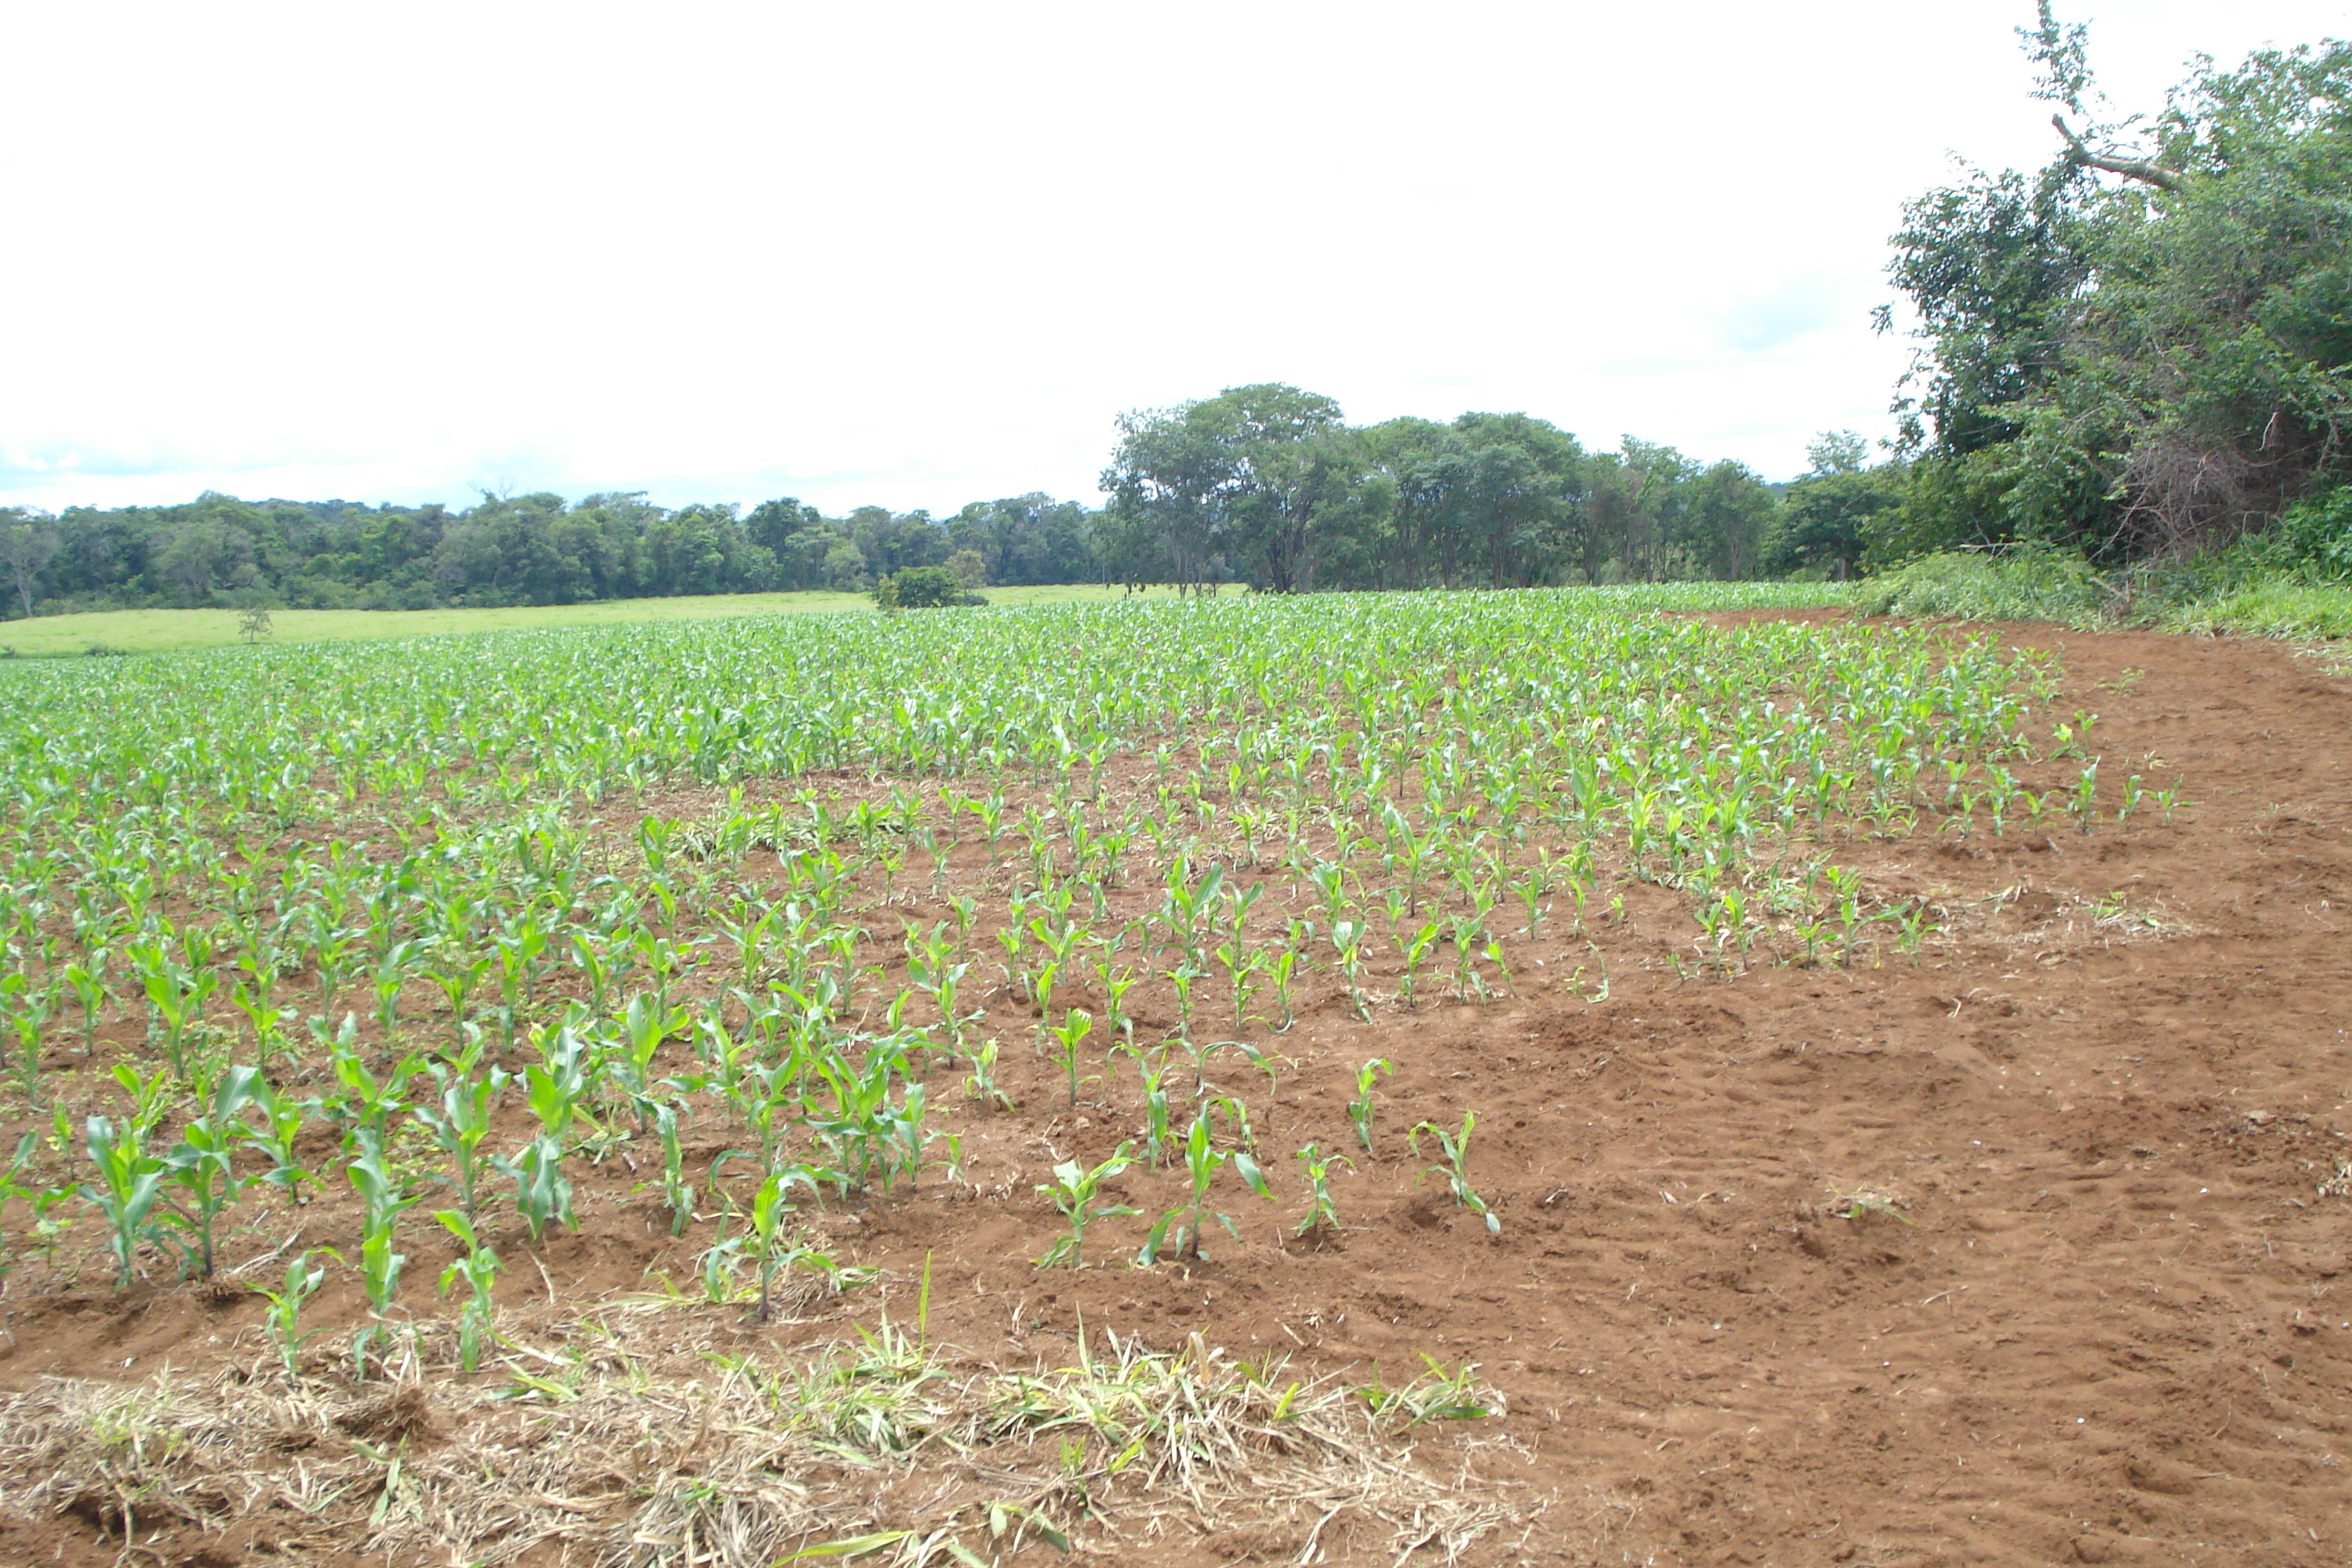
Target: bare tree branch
[2130,168]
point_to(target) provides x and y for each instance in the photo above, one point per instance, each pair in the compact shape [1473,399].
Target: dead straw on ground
[637,1442]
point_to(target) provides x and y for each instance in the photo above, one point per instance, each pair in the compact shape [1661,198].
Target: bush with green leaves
[924,588]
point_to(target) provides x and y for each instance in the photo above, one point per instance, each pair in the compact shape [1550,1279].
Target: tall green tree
[1634,507]
[1519,497]
[1725,519]
[1249,478]
[1828,515]
[26,546]
[1028,539]
[2147,346]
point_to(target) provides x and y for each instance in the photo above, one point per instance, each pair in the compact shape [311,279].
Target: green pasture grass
[188,631]
[185,631]
[2271,610]
[2229,592]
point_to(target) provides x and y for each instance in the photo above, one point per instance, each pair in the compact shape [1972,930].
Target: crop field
[111,632]
[1579,1075]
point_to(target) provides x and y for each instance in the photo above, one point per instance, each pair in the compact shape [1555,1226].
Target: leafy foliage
[923,588]
[2144,349]
[1267,485]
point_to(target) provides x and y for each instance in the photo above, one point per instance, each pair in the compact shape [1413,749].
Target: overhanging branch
[2155,174]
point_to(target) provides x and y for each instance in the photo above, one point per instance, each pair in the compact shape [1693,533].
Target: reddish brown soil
[2104,1313]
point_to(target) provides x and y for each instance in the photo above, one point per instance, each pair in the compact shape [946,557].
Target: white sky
[917,255]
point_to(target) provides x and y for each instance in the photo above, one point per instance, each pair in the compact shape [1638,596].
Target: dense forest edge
[2127,401]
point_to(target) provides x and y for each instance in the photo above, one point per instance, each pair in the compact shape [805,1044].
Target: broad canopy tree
[1268,484]
[1243,478]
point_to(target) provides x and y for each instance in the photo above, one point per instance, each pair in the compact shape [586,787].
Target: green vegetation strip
[181,631]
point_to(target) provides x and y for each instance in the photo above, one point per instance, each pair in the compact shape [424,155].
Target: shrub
[2027,585]
[2315,537]
[923,588]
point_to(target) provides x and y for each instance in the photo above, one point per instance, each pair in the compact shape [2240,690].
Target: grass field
[184,631]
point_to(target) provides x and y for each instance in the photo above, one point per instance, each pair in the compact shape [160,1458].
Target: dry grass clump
[878,1446]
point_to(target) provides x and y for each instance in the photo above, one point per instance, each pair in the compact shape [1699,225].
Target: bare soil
[2036,1249]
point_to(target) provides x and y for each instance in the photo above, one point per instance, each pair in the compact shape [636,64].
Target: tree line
[510,550]
[1269,485]
[1265,487]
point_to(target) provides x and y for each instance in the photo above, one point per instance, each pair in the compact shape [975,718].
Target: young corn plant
[457,970]
[676,1192]
[1323,1217]
[1190,907]
[203,1165]
[1361,1108]
[1284,967]
[1072,1032]
[646,1026]
[1182,978]
[768,1212]
[1018,978]
[595,960]
[360,1099]
[1347,940]
[479,1270]
[129,1183]
[1177,1231]
[1153,1070]
[1242,964]
[1456,1149]
[901,1136]
[1331,882]
[1117,980]
[383,1201]
[557,1086]
[543,1192]
[40,1200]
[858,1128]
[1532,885]
[720,1263]
[176,998]
[333,951]
[282,1119]
[1468,935]
[458,1118]
[1846,887]
[393,970]
[931,965]
[1074,1191]
[266,1017]
[2082,801]
[980,1084]
[1415,949]
[2134,792]
[282,1321]
[27,1008]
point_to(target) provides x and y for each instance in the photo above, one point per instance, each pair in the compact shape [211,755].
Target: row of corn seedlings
[770,876]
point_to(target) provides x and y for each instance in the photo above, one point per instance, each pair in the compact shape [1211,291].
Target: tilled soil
[2038,1248]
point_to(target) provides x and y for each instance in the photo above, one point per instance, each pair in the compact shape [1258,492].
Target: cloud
[1810,302]
[922,254]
